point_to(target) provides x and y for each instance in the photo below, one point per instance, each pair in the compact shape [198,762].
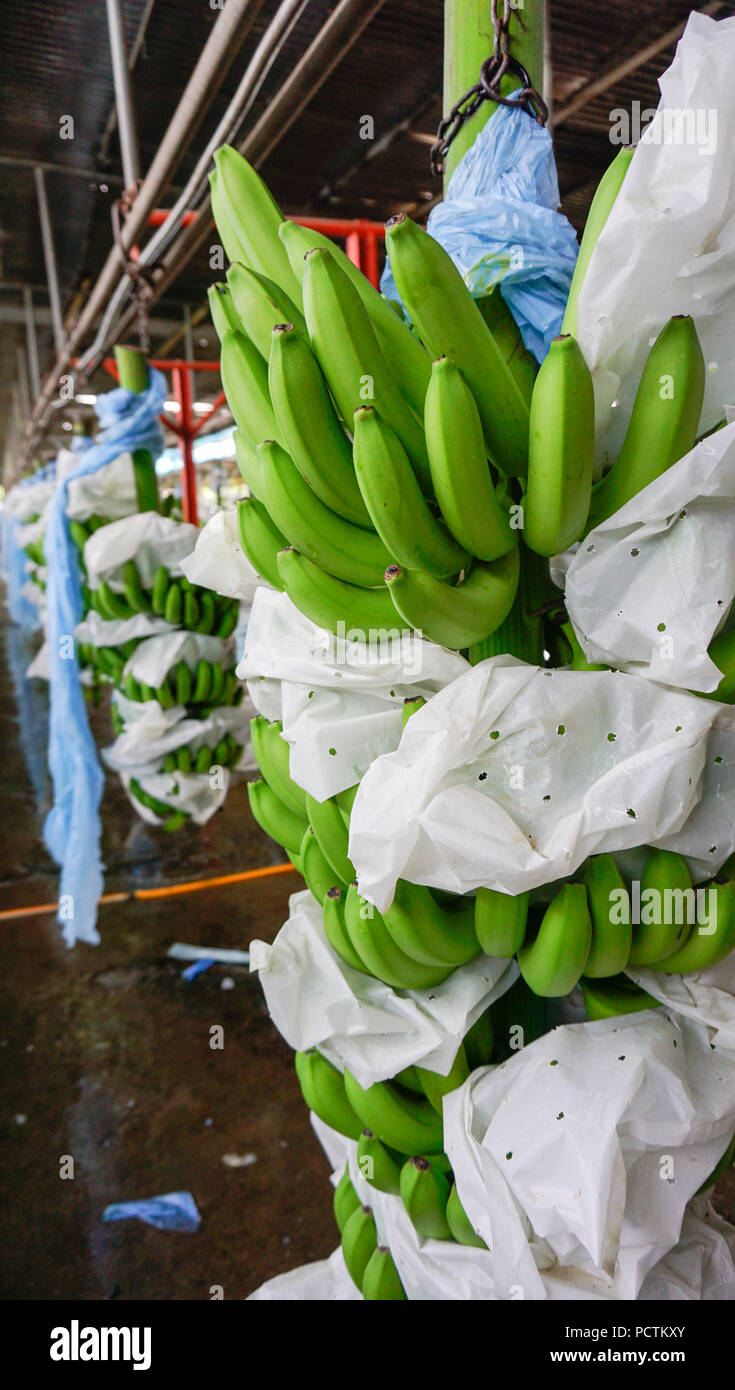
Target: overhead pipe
[31,343]
[49,256]
[123,93]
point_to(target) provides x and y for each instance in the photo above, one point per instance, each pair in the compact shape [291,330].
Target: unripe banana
[324,1091]
[222,311]
[169,763]
[359,1242]
[247,464]
[260,539]
[183,760]
[553,963]
[377,1164]
[436,1087]
[203,760]
[345,551]
[459,1222]
[272,756]
[500,922]
[256,217]
[561,450]
[274,818]
[519,1018]
[202,683]
[449,323]
[351,358]
[382,958]
[114,604]
[409,1077]
[261,304]
[174,604]
[331,832]
[317,871]
[309,426]
[663,422]
[403,1122]
[428,933]
[160,590]
[394,500]
[459,467]
[183,683]
[228,622]
[381,1280]
[334,605]
[612,998]
[135,594]
[705,947]
[460,616]
[345,1200]
[578,660]
[191,611]
[665,875]
[228,235]
[600,209]
[333,916]
[245,383]
[611,940]
[425,1193]
[407,361]
[346,800]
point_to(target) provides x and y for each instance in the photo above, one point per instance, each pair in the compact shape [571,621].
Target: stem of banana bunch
[133,375]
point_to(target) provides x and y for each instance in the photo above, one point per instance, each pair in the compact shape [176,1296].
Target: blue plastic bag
[176,1211]
[72,829]
[14,561]
[499,223]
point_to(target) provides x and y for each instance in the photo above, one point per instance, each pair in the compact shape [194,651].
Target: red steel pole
[182,392]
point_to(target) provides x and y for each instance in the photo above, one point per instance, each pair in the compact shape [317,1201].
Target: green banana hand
[331,603]
[345,1200]
[425,1193]
[553,963]
[393,497]
[113,605]
[663,422]
[328,825]
[459,467]
[256,217]
[350,356]
[377,1164]
[449,323]
[428,933]
[345,551]
[324,1091]
[460,616]
[655,939]
[403,1122]
[500,922]
[600,209]
[381,1280]
[275,819]
[359,1243]
[377,949]
[561,451]
[309,426]
[611,940]
[613,998]
[459,1222]
[272,756]
[706,947]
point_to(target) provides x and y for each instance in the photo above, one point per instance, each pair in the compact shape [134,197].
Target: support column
[182,392]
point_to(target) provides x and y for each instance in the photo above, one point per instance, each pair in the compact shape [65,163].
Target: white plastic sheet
[218,562]
[109,492]
[194,792]
[155,656]
[649,588]
[341,703]
[512,776]
[115,632]
[151,732]
[148,538]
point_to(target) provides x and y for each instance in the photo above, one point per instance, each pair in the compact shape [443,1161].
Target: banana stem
[132,370]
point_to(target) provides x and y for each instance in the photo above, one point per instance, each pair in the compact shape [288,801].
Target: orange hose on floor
[172,890]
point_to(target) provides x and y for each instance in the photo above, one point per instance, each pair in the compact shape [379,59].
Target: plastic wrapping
[155,656]
[147,537]
[218,562]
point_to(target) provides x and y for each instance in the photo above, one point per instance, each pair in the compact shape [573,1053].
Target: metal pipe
[138,42]
[25,400]
[123,93]
[49,256]
[31,343]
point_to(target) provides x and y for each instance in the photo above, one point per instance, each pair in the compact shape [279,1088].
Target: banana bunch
[180,602]
[207,686]
[172,818]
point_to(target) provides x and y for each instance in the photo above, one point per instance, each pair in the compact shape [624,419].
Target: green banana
[202,683]
[722,652]
[184,761]
[275,818]
[221,754]
[317,871]
[206,611]
[500,922]
[404,1122]
[135,594]
[333,917]
[169,763]
[331,832]
[519,1017]
[667,877]
[507,335]
[260,539]
[428,933]
[561,450]
[130,687]
[425,1193]
[663,422]
[459,1222]
[174,604]
[611,941]
[377,1164]
[407,361]
[160,590]
[436,1087]
[191,611]
[325,1092]
[345,1200]
[228,233]
[381,1280]
[309,426]
[254,213]
[382,958]
[245,383]
[114,605]
[203,760]
[79,535]
[600,209]
[393,497]
[410,1079]
[552,964]
[261,304]
[159,808]
[411,705]
[183,683]
[272,755]
[351,358]
[246,462]
[346,800]
[333,604]
[703,949]
[578,660]
[228,622]
[345,551]
[222,311]
[613,998]
[449,323]
[165,696]
[359,1242]
[460,616]
[460,473]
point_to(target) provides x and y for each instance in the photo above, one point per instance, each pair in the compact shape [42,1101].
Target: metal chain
[141,276]
[500,64]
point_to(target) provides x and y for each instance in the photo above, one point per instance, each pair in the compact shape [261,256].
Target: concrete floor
[104,1055]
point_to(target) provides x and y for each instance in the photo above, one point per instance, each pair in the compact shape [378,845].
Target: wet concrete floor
[105,1055]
